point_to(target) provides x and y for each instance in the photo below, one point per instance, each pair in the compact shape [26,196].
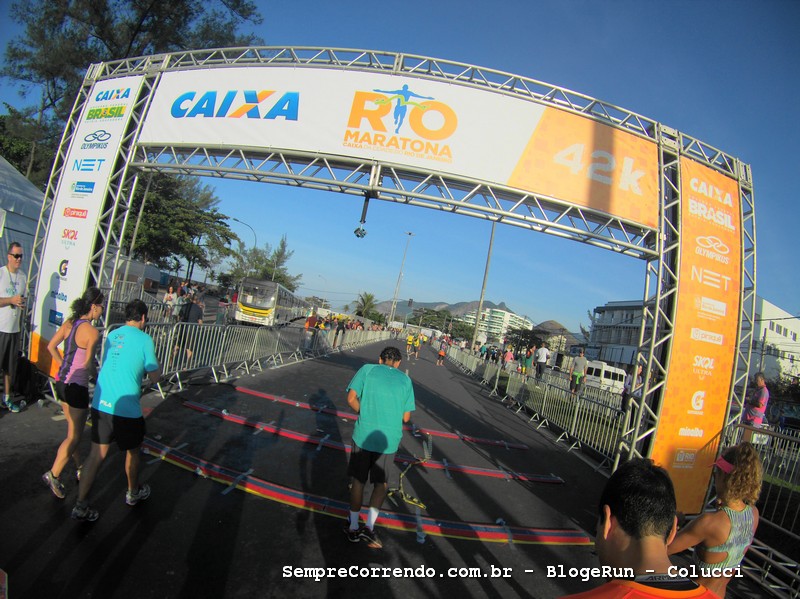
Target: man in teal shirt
[383,397]
[116,409]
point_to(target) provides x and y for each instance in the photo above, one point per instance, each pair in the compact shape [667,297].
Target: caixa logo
[110,95]
[236,104]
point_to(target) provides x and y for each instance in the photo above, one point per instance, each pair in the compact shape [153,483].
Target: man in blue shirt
[383,397]
[116,408]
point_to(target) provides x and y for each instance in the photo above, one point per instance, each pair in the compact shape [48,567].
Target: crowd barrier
[592,419]
[223,349]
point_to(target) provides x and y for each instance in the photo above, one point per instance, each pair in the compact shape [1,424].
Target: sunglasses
[17,256]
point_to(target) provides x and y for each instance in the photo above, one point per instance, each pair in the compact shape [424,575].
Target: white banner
[436,126]
[426,124]
[76,210]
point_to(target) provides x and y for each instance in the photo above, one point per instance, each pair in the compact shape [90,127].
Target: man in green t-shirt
[383,398]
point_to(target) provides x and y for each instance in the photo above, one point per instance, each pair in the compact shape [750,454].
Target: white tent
[22,202]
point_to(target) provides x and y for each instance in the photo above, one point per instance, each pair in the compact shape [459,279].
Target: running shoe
[85,514]
[371,537]
[55,485]
[141,494]
[354,536]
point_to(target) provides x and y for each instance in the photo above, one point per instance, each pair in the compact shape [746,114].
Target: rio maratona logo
[420,125]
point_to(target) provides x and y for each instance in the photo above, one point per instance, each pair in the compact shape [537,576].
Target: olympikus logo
[236,104]
[712,247]
[75,212]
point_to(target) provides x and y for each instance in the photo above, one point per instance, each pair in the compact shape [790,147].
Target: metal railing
[592,419]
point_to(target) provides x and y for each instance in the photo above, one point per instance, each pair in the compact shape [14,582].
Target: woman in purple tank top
[75,366]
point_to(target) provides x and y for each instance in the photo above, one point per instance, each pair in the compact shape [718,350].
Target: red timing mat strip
[351,416]
[495,533]
[402,459]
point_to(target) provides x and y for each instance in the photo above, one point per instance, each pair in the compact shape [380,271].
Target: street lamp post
[255,239]
[399,278]
[324,290]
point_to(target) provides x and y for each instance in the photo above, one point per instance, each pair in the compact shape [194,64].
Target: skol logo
[425,121]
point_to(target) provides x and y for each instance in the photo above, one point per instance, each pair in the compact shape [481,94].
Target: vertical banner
[706,323]
[77,205]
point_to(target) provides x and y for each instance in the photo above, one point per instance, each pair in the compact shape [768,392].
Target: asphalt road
[196,538]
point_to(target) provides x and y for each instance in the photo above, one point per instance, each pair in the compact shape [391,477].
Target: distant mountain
[458,309]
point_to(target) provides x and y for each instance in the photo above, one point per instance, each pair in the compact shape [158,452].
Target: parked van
[601,375]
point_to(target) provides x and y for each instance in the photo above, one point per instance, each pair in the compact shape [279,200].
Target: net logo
[236,104]
[425,121]
[83,187]
[685,458]
[698,399]
[75,212]
[711,214]
[710,191]
[112,95]
[713,248]
[712,279]
[707,336]
[88,165]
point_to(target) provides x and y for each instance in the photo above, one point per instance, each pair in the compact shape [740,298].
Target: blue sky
[725,72]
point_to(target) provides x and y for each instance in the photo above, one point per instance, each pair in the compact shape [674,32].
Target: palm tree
[365,304]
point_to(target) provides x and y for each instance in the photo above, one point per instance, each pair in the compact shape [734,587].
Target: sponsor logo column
[704,345]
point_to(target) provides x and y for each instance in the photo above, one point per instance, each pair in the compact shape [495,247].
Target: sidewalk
[194,538]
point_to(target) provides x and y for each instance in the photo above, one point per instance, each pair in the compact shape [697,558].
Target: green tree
[179,221]
[365,304]
[275,269]
[521,337]
[61,39]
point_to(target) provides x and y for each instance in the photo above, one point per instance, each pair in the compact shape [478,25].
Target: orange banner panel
[705,335]
[582,161]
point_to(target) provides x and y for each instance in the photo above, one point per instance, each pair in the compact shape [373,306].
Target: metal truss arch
[405,185]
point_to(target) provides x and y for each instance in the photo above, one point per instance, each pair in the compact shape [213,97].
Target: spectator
[756,406]
[577,372]
[541,357]
[636,523]
[13,284]
[722,537]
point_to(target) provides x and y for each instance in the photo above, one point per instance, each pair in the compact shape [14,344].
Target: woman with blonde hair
[75,367]
[722,537]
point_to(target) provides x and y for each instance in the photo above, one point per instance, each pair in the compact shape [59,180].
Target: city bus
[267,303]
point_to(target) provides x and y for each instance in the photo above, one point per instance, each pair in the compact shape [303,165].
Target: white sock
[373,516]
[354,520]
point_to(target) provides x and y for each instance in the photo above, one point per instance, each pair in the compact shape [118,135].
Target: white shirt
[542,354]
[11,285]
